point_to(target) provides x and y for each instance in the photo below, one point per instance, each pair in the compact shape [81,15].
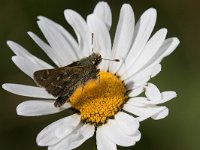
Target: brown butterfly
[62,82]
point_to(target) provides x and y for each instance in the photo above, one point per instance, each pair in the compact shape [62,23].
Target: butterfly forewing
[56,80]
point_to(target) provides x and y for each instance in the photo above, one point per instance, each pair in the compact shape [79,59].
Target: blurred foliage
[180,72]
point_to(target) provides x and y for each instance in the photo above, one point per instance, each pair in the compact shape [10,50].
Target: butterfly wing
[56,80]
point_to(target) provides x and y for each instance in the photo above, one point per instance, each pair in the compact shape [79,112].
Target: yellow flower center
[99,99]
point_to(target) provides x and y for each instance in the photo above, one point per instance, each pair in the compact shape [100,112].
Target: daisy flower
[111,106]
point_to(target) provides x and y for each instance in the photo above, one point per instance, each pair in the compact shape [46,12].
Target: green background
[180,71]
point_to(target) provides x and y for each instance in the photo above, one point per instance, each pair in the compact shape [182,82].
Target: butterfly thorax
[95,58]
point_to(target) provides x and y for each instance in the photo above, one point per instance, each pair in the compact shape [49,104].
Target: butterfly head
[95,58]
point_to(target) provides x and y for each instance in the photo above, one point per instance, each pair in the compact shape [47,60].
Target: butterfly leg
[82,89]
[83,85]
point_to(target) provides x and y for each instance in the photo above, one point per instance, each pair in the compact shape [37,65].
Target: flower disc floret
[99,99]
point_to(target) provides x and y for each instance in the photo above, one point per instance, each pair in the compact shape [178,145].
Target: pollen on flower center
[99,99]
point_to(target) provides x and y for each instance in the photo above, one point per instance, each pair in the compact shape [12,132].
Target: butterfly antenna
[92,42]
[116,60]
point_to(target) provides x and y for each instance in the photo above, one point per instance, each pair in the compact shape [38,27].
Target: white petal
[73,45]
[46,48]
[142,32]
[65,44]
[127,123]
[148,52]
[141,78]
[26,90]
[146,72]
[102,41]
[57,42]
[123,36]
[27,66]
[22,52]
[114,133]
[103,142]
[137,136]
[167,48]
[75,139]
[152,112]
[135,110]
[86,132]
[81,29]
[56,131]
[136,92]
[103,11]
[152,92]
[160,115]
[141,81]
[144,112]
[138,101]
[155,70]
[19,50]
[39,108]
[166,96]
